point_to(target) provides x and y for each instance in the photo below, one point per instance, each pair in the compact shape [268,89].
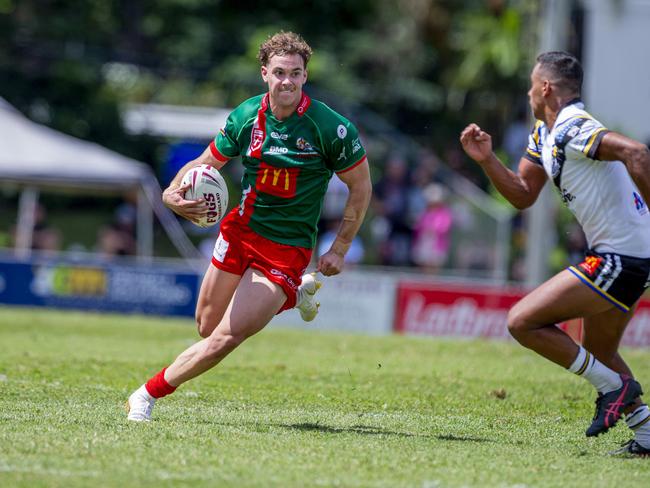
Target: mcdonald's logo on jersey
[279,182]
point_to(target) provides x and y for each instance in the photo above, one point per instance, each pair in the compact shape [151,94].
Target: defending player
[290,146]
[604,179]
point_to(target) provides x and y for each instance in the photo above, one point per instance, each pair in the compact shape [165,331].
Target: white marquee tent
[37,157]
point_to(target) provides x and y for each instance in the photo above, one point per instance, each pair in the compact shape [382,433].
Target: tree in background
[426,65]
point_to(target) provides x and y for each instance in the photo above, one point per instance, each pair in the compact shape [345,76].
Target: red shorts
[239,248]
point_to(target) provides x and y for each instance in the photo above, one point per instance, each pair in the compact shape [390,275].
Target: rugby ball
[207,183]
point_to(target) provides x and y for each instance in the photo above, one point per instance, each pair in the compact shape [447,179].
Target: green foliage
[293,409]
[427,65]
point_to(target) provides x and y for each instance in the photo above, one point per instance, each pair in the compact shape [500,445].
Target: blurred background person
[432,233]
[45,237]
[354,255]
[118,238]
[391,206]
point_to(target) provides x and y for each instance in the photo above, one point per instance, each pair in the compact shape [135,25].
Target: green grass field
[293,408]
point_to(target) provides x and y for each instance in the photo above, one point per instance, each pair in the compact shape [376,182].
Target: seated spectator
[45,237]
[118,238]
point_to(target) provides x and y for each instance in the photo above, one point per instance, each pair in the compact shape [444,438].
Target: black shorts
[621,280]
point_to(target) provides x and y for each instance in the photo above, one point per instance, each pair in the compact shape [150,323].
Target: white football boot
[140,405]
[306,302]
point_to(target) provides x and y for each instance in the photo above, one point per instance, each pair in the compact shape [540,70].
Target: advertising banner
[353,301]
[470,311]
[452,310]
[105,287]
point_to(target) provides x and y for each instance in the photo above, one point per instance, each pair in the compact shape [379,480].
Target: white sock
[145,393]
[639,422]
[599,375]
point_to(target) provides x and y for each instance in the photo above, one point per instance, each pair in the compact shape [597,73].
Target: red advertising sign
[470,311]
[443,310]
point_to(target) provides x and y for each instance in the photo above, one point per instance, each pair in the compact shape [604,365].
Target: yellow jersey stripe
[591,140]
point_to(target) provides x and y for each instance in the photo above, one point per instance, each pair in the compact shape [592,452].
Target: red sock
[158,387]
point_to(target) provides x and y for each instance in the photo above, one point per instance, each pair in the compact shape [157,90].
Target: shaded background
[411,74]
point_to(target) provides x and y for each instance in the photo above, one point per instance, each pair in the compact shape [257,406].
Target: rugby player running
[604,179]
[290,146]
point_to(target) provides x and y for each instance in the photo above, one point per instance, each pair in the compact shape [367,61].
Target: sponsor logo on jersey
[640,205]
[277,135]
[573,131]
[341,131]
[590,264]
[342,155]
[279,182]
[303,145]
[567,196]
[276,150]
[356,145]
[284,276]
[222,132]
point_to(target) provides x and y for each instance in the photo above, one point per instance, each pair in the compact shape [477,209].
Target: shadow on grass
[356,429]
[462,438]
[369,430]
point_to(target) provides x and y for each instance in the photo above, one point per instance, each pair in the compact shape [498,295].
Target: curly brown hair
[284,43]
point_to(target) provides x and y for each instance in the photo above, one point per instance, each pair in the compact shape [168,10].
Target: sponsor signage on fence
[444,310]
[353,301]
[470,311]
[106,287]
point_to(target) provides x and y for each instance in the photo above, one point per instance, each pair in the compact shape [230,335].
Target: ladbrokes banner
[445,310]
[471,311]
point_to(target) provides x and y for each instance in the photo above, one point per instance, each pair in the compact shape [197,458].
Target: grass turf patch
[293,408]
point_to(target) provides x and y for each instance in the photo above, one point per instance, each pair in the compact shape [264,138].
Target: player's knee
[517,323]
[204,326]
[203,330]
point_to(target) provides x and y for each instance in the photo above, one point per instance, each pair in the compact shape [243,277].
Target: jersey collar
[304,104]
[574,101]
[302,107]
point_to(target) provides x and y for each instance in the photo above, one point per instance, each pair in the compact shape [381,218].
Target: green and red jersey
[288,164]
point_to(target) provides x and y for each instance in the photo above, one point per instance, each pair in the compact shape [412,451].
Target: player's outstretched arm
[174,196]
[360,186]
[635,156]
[520,189]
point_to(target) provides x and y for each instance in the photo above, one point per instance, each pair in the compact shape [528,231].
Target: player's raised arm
[358,182]
[174,196]
[635,156]
[520,189]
